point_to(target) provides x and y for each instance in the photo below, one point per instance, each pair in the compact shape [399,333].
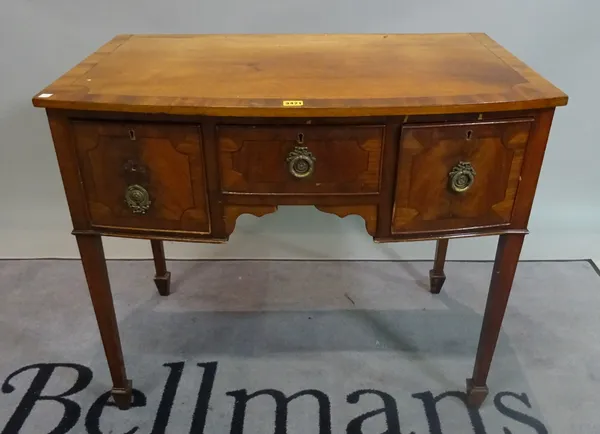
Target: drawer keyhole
[469,134]
[300,138]
[132,134]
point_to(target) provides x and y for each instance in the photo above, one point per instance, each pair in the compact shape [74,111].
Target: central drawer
[300,159]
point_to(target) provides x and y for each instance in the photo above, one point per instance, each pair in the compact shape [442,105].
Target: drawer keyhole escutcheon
[132,134]
[469,134]
[462,177]
[137,199]
[131,167]
[301,162]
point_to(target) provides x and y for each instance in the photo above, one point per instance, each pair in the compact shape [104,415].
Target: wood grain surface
[166,160]
[428,153]
[254,159]
[331,75]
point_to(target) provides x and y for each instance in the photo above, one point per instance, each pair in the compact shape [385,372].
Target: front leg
[505,265]
[436,274]
[162,279]
[96,274]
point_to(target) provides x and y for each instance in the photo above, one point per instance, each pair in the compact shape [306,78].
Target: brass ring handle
[137,199]
[301,162]
[462,177]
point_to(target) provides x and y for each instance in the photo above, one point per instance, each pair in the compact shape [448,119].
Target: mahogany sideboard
[427,137]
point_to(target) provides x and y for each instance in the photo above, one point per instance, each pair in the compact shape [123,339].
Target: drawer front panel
[458,175]
[147,176]
[300,160]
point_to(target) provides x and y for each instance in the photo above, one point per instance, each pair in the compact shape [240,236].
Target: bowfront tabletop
[301,75]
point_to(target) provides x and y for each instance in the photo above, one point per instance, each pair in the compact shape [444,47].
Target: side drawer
[453,176]
[143,176]
[300,159]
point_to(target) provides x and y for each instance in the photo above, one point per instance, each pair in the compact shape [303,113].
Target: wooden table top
[301,75]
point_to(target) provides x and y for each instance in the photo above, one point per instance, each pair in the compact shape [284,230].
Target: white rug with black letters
[294,347]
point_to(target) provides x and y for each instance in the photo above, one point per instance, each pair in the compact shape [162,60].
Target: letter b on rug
[34,394]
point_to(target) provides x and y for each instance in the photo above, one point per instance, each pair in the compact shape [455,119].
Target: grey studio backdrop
[40,40]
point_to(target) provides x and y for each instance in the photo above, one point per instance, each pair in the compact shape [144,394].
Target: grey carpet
[358,335]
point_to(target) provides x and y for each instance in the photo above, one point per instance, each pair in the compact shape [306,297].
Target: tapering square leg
[96,274]
[436,274]
[505,266]
[162,279]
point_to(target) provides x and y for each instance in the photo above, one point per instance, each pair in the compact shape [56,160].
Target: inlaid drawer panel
[149,176]
[300,160]
[454,176]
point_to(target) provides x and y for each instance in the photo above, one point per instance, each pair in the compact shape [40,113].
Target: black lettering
[34,394]
[168,397]
[281,409]
[92,419]
[203,401]
[517,415]
[390,409]
[433,418]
